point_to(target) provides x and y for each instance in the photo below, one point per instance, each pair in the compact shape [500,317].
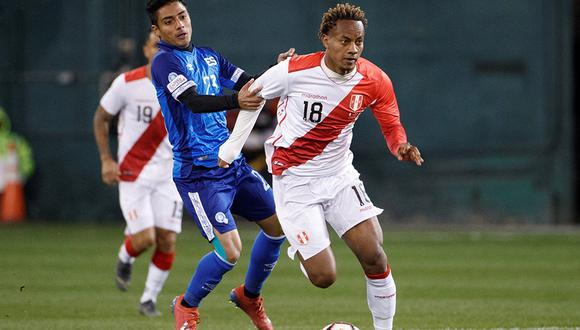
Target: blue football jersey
[195,138]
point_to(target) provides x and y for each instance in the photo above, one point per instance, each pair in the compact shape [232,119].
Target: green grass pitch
[61,277]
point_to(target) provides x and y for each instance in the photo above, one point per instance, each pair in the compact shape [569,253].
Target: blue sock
[208,274]
[265,253]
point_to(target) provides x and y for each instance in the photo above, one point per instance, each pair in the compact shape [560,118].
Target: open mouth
[182,35]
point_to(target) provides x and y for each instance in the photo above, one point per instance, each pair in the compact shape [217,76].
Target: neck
[335,69]
[148,69]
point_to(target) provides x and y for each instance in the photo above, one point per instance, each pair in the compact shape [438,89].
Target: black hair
[154,5]
[341,11]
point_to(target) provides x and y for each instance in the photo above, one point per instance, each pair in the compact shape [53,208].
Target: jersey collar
[163,45]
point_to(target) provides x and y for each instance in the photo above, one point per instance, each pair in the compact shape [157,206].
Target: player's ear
[324,40]
[155,30]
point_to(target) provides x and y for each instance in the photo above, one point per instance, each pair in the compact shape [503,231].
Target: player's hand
[249,99]
[291,52]
[110,172]
[222,163]
[409,152]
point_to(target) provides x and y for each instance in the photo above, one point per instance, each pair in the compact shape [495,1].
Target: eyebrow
[171,16]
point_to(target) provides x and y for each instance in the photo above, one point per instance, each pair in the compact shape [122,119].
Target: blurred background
[486,90]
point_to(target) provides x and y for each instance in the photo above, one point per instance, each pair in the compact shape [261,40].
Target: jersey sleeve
[274,83]
[229,73]
[169,73]
[114,99]
[386,111]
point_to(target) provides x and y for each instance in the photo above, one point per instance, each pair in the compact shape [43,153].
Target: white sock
[124,255]
[382,300]
[155,280]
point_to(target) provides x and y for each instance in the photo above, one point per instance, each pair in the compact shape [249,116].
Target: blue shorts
[211,195]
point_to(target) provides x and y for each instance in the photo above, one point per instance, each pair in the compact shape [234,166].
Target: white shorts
[304,204]
[150,204]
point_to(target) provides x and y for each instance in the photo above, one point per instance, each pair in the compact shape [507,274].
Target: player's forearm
[208,103]
[242,129]
[101,131]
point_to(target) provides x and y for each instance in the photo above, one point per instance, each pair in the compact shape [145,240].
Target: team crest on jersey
[356,101]
[210,60]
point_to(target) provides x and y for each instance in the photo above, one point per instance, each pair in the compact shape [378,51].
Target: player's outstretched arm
[408,152]
[248,97]
[242,129]
[109,167]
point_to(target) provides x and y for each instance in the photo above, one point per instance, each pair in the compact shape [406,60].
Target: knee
[322,279]
[147,240]
[166,242]
[375,262]
[233,255]
[272,227]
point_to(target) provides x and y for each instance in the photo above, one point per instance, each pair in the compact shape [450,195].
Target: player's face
[344,45]
[150,47]
[173,24]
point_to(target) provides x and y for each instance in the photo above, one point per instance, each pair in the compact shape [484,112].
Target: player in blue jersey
[189,81]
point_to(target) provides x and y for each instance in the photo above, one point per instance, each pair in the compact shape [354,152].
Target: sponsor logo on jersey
[314,96]
[177,81]
[356,101]
[221,218]
[210,60]
[302,237]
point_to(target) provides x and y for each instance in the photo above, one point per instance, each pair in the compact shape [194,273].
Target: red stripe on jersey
[314,141]
[303,62]
[136,74]
[143,149]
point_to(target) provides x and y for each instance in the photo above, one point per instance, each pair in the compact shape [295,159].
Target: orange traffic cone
[13,206]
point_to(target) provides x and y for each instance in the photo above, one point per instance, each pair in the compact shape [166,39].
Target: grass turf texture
[61,277]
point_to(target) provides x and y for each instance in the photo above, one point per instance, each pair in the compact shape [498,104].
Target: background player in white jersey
[321,96]
[149,200]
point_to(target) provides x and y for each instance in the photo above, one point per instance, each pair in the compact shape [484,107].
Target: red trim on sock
[162,260]
[380,276]
[129,247]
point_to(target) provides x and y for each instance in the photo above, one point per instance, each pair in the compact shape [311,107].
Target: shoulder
[372,72]
[135,74]
[163,58]
[304,62]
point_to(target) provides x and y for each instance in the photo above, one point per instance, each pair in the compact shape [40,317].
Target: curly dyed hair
[338,12]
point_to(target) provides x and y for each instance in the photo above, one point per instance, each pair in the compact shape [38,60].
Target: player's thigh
[350,206]
[254,198]
[208,202]
[167,207]
[135,202]
[302,222]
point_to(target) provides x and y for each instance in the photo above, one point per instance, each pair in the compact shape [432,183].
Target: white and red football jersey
[144,151]
[317,112]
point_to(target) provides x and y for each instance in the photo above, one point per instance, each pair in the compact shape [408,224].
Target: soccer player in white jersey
[321,96]
[149,200]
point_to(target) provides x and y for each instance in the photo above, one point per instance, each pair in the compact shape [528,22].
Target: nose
[180,24]
[353,49]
